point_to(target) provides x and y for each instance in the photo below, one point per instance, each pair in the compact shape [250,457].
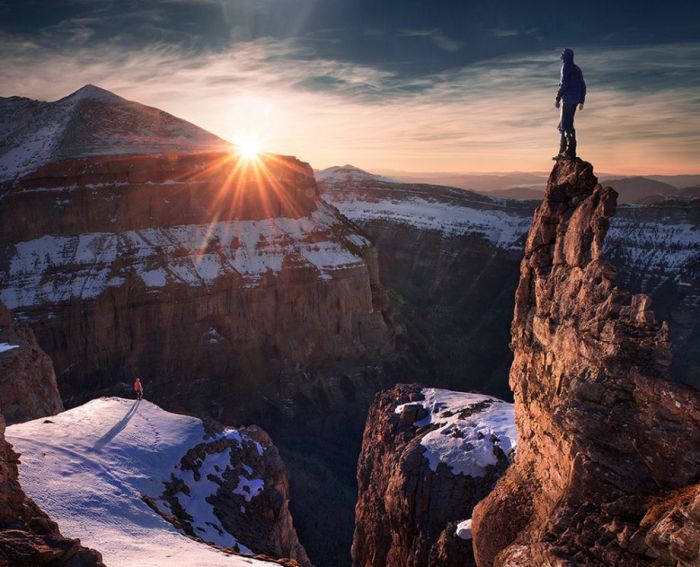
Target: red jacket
[137,385]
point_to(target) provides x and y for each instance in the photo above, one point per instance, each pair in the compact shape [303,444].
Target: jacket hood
[567,56]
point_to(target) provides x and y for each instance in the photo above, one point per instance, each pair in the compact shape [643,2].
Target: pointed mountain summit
[93,92]
[89,122]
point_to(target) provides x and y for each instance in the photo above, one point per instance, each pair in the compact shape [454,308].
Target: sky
[421,86]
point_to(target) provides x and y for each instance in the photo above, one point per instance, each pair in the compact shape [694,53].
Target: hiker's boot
[562,148]
[571,146]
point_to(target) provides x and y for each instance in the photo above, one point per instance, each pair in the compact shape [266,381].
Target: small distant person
[571,94]
[138,388]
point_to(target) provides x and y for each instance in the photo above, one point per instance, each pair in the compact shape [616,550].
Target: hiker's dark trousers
[566,122]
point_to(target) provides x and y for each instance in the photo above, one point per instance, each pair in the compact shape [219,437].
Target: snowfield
[88,467]
[501,228]
[468,427]
[58,268]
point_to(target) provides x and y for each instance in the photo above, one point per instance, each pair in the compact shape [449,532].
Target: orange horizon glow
[491,116]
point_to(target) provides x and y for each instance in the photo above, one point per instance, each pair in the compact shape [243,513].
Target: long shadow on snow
[117,428]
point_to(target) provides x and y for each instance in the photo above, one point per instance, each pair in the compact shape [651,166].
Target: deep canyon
[135,244]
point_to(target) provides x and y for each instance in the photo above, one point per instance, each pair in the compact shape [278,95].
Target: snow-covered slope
[84,266]
[88,468]
[89,122]
[364,197]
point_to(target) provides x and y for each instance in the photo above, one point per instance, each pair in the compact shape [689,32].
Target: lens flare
[249,147]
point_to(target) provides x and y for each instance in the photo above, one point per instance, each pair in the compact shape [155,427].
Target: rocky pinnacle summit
[608,451]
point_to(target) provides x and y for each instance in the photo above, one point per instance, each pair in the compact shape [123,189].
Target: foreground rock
[428,456]
[603,432]
[27,536]
[250,496]
[27,381]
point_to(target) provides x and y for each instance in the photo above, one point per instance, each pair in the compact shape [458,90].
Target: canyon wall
[449,259]
[226,284]
[428,456]
[605,437]
[136,244]
[27,381]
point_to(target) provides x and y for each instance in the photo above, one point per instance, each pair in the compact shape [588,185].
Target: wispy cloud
[500,32]
[437,37]
[642,115]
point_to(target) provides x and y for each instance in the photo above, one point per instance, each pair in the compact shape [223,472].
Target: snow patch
[4,347]
[464,529]
[468,429]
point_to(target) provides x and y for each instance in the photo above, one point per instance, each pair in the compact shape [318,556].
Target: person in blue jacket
[571,94]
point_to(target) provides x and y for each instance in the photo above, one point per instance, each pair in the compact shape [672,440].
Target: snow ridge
[91,121]
[500,227]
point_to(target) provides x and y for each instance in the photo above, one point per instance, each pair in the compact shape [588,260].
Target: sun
[249,147]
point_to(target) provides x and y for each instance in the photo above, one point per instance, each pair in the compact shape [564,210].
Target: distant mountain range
[530,185]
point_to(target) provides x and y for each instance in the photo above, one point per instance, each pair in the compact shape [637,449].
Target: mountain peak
[93,92]
[38,133]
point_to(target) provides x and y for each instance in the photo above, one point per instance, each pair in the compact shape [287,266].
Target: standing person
[138,388]
[572,93]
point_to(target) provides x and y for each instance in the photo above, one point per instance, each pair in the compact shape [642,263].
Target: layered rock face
[27,536]
[428,456]
[450,257]
[134,248]
[27,381]
[603,431]
[656,248]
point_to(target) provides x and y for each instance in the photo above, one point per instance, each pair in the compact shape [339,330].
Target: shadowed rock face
[27,536]
[449,258]
[27,382]
[409,504]
[602,429]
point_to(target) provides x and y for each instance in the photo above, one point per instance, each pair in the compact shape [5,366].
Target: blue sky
[420,86]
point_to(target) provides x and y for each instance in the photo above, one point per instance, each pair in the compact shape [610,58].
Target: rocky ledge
[606,438]
[249,495]
[27,381]
[28,537]
[428,456]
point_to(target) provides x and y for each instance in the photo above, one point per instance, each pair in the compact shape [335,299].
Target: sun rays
[247,184]
[249,147]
